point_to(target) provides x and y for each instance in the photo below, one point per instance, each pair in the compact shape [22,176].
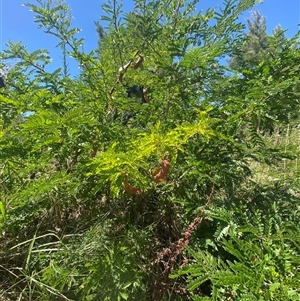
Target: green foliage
[70,229]
[257,252]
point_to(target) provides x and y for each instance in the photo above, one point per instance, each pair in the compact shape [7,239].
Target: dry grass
[288,142]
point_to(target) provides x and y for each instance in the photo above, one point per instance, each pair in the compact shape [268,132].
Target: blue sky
[17,22]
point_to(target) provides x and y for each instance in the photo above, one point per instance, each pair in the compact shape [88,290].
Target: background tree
[260,53]
[255,46]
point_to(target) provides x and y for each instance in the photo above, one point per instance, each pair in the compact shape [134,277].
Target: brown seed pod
[160,174]
[120,78]
[125,67]
[129,188]
[138,62]
[145,93]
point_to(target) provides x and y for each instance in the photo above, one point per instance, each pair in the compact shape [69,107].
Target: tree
[255,46]
[99,206]
[260,53]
